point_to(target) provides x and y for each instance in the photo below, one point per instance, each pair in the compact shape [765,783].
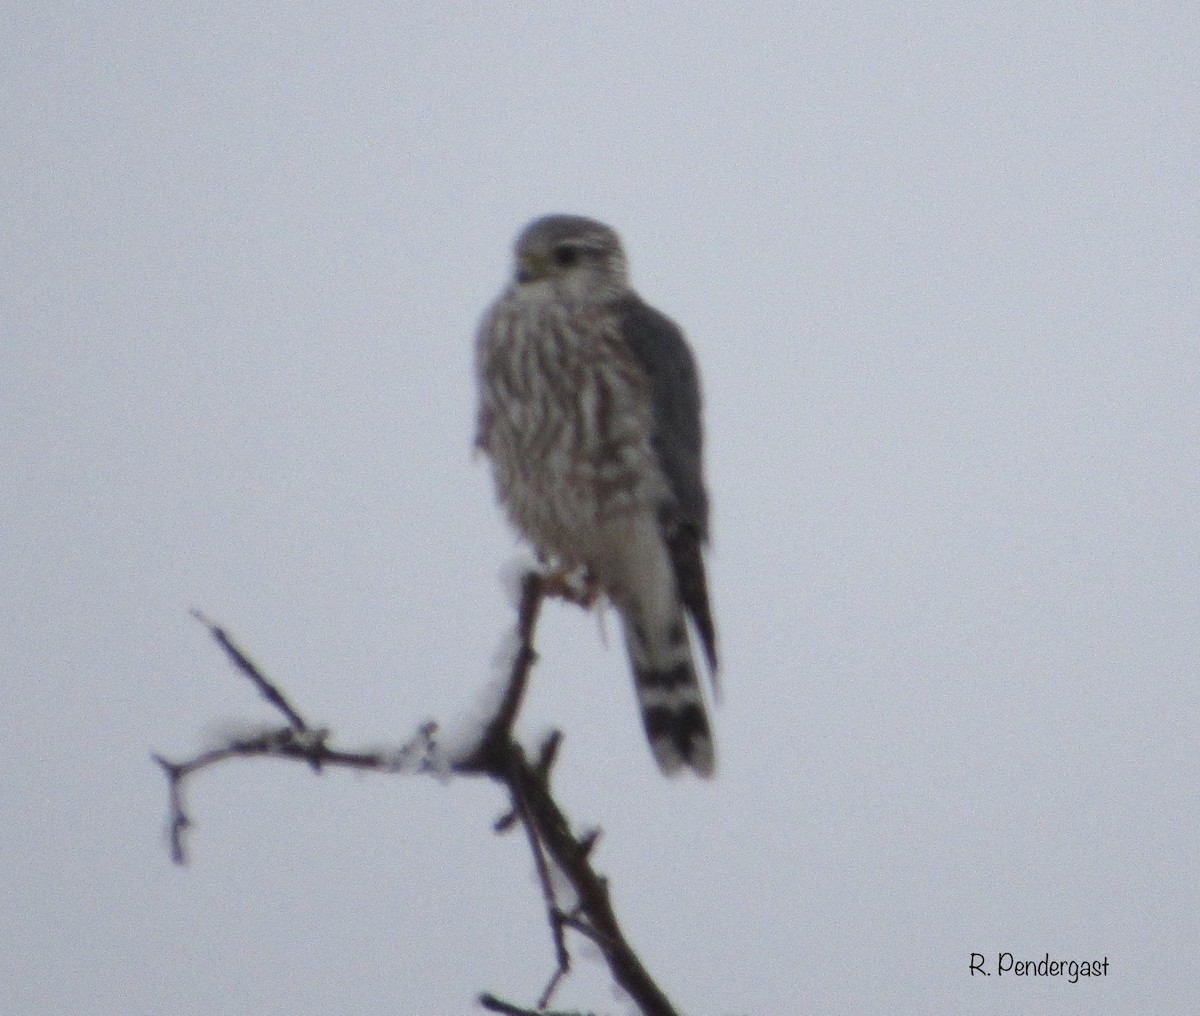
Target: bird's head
[578,259]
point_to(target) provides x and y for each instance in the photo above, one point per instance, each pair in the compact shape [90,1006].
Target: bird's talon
[580,588]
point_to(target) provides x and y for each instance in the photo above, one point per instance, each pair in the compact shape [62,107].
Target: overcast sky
[939,266]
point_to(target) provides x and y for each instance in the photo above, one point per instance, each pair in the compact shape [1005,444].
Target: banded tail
[668,691]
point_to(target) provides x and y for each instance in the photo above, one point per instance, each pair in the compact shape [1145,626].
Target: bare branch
[493,1004]
[499,730]
[250,669]
[497,755]
[549,897]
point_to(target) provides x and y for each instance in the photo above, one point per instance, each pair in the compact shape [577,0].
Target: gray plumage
[590,413]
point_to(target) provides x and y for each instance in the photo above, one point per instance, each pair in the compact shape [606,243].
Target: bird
[590,414]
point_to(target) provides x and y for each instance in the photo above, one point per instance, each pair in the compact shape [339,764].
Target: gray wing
[663,353]
[660,348]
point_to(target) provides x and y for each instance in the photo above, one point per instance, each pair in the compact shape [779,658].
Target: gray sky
[938,264]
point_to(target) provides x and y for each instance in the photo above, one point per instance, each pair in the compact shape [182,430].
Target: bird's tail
[664,677]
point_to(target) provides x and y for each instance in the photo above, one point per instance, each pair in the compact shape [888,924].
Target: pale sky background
[939,266]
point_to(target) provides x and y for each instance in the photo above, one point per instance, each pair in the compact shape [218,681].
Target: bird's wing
[662,352]
[660,349]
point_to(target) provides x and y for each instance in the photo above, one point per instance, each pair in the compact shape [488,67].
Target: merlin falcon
[589,409]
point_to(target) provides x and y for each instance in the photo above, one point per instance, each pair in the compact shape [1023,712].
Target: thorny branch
[498,756]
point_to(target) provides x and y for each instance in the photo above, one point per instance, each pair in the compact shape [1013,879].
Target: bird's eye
[565,256]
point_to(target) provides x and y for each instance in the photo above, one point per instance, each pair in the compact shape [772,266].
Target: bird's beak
[531,267]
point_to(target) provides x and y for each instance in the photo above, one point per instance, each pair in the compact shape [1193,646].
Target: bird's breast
[566,420]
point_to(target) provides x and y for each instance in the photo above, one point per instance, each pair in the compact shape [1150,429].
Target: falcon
[589,410]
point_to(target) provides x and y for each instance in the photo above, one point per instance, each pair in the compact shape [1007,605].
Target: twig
[494,1004]
[549,897]
[248,667]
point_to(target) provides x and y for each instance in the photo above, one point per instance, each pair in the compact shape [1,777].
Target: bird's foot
[577,585]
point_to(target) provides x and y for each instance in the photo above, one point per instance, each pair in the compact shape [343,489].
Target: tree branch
[247,667]
[498,756]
